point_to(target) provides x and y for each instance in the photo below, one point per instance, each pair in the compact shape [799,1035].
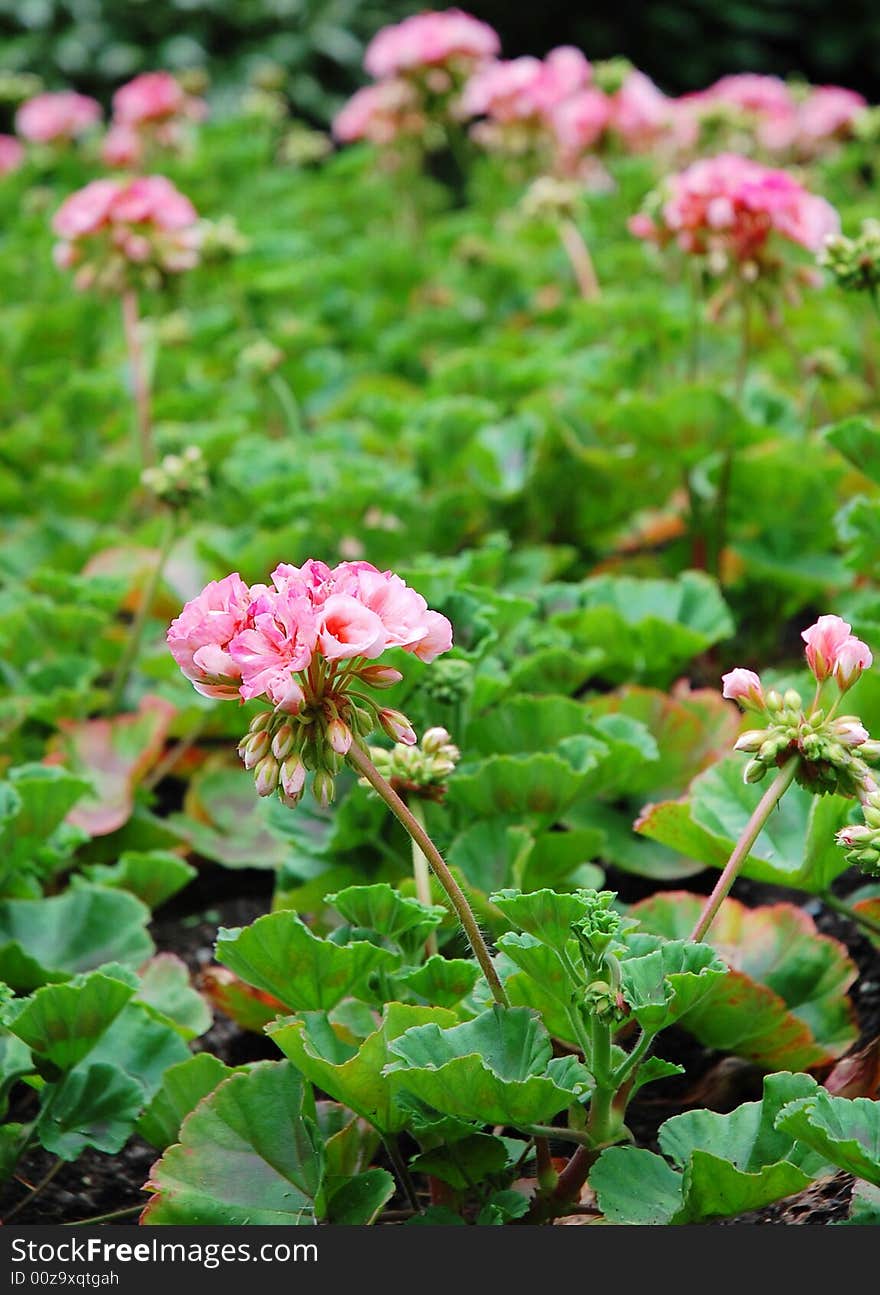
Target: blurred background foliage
[683,44]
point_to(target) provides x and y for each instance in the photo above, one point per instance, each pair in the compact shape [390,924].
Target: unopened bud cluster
[220,240]
[550,199]
[421,770]
[282,748]
[862,841]
[854,262]
[596,933]
[179,479]
[836,752]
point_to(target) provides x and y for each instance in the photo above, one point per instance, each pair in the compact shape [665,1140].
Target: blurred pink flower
[56,116]
[122,146]
[640,112]
[427,40]
[380,113]
[11,154]
[154,97]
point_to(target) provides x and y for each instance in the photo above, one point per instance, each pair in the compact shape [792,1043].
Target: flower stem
[422,875]
[401,1172]
[768,802]
[136,633]
[139,382]
[358,757]
[581,262]
[288,403]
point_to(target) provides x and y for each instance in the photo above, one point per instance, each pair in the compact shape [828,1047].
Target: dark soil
[97,1185]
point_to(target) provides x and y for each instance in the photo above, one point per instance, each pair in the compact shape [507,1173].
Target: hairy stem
[359,759]
[422,874]
[136,632]
[764,808]
[139,382]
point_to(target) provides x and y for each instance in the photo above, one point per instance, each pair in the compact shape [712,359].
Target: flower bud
[435,738]
[379,676]
[339,736]
[751,741]
[743,686]
[282,742]
[266,775]
[754,771]
[792,699]
[397,727]
[259,721]
[324,788]
[293,777]
[773,700]
[254,748]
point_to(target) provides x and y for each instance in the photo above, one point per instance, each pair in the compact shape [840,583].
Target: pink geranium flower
[380,114]
[743,686]
[200,636]
[110,227]
[279,643]
[56,117]
[430,40]
[824,641]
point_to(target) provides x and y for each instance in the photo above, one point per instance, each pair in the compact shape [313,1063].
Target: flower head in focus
[305,646]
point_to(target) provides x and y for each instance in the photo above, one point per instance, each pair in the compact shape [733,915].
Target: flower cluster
[179,479]
[152,111]
[115,232]
[11,154]
[56,117]
[835,751]
[518,99]
[726,208]
[303,645]
[426,41]
[795,121]
[854,262]
[420,770]
[419,66]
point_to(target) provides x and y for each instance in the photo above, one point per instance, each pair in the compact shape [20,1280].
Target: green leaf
[34,802]
[865,1207]
[15,1063]
[539,785]
[223,820]
[183,1087]
[783,1003]
[143,1044]
[636,1186]
[844,1131]
[153,876]
[352,1075]
[359,1201]
[465,1163]
[247,1155]
[279,954]
[94,1106]
[545,914]
[491,853]
[796,848]
[663,980]
[380,908]
[496,1069]
[858,440]
[441,982]
[62,1023]
[51,939]
[166,986]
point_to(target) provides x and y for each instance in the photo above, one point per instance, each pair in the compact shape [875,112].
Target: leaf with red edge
[114,755]
[784,1004]
[691,729]
[866,902]
[249,1007]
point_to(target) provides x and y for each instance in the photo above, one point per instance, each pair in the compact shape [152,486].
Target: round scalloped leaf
[495,1069]
[279,954]
[61,1024]
[166,986]
[842,1130]
[247,1155]
[44,940]
[359,1201]
[94,1106]
[153,876]
[636,1186]
[183,1087]
[784,1002]
[354,1076]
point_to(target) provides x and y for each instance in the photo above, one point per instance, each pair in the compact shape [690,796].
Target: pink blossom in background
[743,686]
[640,111]
[380,113]
[521,89]
[122,146]
[429,40]
[827,113]
[111,223]
[580,122]
[11,154]
[155,97]
[56,116]
[262,642]
[753,93]
[732,204]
